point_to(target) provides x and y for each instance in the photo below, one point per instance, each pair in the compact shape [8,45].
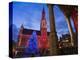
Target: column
[53,35]
[70,30]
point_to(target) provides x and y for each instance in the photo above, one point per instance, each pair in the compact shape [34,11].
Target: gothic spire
[43,14]
[22,26]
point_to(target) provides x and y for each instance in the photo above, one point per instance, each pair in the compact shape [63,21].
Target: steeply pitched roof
[29,31]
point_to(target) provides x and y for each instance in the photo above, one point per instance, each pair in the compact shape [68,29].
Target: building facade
[42,35]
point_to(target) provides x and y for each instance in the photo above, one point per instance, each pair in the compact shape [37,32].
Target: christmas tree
[32,44]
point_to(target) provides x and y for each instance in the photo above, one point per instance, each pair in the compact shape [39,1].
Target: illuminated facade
[42,35]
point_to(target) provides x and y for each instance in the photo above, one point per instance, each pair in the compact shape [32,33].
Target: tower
[20,35]
[43,29]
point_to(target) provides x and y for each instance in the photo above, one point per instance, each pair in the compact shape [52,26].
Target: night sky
[29,14]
